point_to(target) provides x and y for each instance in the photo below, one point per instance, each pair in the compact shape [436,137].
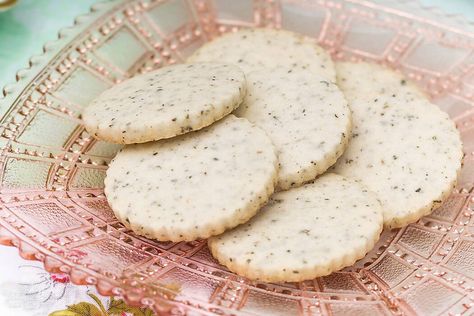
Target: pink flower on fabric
[60,278]
[43,286]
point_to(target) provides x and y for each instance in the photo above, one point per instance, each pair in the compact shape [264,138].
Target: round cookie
[165,103]
[195,185]
[368,80]
[306,117]
[253,49]
[303,233]
[404,149]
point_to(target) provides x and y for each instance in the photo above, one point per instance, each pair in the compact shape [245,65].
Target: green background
[28,25]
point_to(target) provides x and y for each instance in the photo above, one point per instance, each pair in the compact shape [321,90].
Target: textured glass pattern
[53,209]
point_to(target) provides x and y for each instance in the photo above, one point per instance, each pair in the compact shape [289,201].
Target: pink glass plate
[52,204]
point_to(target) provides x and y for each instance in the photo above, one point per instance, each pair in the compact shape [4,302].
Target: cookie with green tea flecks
[306,117]
[368,80]
[403,148]
[165,103]
[195,185]
[254,49]
[303,233]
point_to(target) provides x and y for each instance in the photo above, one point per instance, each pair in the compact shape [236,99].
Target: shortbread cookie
[253,49]
[303,233]
[195,185]
[404,149]
[306,117]
[368,80]
[165,103]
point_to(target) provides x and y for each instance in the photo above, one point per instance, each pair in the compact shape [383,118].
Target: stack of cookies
[290,164]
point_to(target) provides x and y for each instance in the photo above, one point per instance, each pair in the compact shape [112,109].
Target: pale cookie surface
[253,49]
[404,149]
[165,103]
[303,233]
[368,80]
[193,186]
[306,117]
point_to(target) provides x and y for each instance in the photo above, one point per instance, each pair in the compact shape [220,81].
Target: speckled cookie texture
[403,148]
[165,103]
[304,232]
[195,185]
[363,79]
[306,117]
[253,49]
